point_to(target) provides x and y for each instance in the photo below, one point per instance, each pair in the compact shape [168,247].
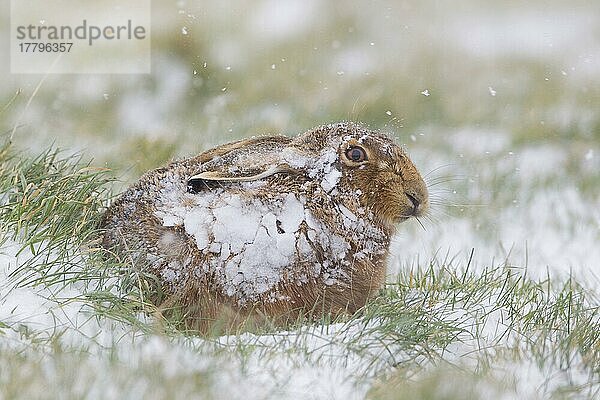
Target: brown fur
[383,182]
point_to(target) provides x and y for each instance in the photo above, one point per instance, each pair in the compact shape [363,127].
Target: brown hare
[269,228]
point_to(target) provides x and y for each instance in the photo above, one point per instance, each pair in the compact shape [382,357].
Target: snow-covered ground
[521,207]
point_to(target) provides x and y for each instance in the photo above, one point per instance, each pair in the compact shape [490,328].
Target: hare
[269,228]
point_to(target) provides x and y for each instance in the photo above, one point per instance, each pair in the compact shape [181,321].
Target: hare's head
[348,160]
[375,168]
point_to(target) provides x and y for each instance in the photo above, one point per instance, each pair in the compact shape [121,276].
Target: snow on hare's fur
[271,226]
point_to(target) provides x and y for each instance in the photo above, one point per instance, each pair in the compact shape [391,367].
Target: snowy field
[496,296]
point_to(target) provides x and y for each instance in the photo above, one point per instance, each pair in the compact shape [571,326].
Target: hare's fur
[270,227]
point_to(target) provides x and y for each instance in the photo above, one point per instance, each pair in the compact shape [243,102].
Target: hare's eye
[356,154]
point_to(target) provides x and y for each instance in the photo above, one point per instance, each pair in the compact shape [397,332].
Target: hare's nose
[416,203]
[419,202]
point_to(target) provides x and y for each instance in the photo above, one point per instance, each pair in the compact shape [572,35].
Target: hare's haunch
[269,227]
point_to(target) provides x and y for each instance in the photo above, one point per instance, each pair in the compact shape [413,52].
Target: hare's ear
[244,161]
[242,176]
[233,147]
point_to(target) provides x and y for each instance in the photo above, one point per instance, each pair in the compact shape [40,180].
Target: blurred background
[497,103]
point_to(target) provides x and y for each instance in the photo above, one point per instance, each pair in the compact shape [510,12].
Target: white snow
[195,224]
[331,179]
[292,213]
[171,220]
[325,167]
[234,223]
[253,242]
